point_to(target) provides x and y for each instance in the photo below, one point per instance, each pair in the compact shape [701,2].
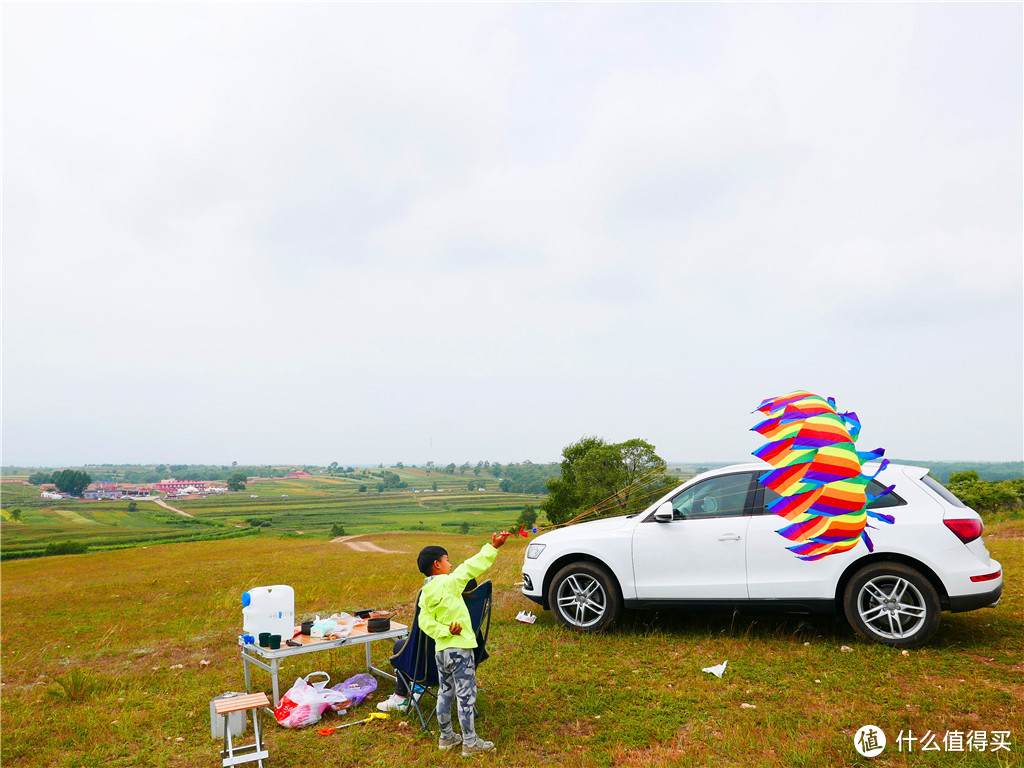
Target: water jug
[269,609]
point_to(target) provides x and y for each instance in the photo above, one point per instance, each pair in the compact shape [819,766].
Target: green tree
[133,506]
[72,481]
[464,528]
[38,478]
[236,481]
[594,472]
[362,489]
[337,530]
[528,517]
[433,486]
[16,514]
[505,485]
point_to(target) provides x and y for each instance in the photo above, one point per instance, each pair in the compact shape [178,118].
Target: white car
[711,542]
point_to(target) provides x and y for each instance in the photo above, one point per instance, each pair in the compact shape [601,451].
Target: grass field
[299,507]
[113,627]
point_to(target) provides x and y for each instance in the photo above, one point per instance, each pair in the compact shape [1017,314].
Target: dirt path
[165,505]
[365,546]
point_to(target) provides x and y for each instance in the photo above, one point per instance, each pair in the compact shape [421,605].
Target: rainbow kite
[817,473]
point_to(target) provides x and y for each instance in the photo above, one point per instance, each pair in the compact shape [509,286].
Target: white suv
[711,542]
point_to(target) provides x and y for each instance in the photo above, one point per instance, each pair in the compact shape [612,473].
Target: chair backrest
[416,659]
[479,604]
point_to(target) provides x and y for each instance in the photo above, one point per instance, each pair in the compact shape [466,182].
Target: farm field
[297,507]
[114,626]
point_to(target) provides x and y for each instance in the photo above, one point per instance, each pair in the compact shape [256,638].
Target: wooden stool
[244,754]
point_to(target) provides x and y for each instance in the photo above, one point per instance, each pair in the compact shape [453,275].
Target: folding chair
[415,664]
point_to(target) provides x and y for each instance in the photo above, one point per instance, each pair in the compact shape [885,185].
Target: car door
[773,572]
[700,553]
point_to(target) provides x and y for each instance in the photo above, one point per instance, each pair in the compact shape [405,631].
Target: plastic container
[269,609]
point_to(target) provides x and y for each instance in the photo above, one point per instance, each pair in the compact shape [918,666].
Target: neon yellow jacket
[441,601]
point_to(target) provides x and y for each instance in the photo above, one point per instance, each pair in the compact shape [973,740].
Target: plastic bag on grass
[357,687]
[305,701]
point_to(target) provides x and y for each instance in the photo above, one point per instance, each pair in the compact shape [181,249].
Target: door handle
[729,537]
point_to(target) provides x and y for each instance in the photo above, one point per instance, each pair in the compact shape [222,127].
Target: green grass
[114,625]
[295,507]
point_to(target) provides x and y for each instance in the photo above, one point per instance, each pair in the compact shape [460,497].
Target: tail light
[965,530]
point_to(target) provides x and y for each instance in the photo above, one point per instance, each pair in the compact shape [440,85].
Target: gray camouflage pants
[456,671]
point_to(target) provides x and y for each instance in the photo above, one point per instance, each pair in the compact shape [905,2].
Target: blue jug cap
[246,599]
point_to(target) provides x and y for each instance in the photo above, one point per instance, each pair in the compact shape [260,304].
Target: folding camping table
[253,654]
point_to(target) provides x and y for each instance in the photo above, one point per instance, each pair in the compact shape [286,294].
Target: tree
[72,481]
[464,528]
[471,486]
[528,517]
[337,530]
[594,472]
[133,506]
[399,465]
[505,485]
[433,486]
[16,514]
[38,478]
[362,489]
[236,481]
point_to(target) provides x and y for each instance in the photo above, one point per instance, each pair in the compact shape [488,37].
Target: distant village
[169,489]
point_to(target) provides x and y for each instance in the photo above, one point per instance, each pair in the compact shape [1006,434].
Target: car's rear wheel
[893,604]
[585,597]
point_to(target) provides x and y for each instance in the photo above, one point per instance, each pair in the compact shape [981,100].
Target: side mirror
[663,514]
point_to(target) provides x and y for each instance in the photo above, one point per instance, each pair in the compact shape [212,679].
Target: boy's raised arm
[479,562]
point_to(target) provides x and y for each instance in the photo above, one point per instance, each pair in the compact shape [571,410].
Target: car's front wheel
[584,596]
[892,603]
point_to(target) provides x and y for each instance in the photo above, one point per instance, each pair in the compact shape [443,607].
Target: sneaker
[447,742]
[394,702]
[480,746]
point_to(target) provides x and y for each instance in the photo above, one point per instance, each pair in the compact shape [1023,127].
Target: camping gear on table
[374,716]
[376,621]
[357,687]
[270,610]
[305,702]
[337,626]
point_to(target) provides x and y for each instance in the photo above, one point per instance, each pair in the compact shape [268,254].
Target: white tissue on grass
[717,670]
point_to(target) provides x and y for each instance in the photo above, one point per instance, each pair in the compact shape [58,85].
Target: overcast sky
[359,233]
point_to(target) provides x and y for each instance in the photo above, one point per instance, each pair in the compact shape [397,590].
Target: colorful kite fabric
[817,474]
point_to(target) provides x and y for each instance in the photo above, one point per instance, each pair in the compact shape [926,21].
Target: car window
[889,500]
[942,491]
[725,496]
[874,488]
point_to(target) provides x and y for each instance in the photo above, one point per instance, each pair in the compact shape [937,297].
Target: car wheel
[584,596]
[893,604]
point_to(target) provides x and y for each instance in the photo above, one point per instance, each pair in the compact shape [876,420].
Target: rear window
[942,491]
[889,500]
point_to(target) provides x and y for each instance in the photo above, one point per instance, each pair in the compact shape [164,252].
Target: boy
[445,618]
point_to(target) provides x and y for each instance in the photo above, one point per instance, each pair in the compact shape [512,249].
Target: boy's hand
[455,628]
[497,539]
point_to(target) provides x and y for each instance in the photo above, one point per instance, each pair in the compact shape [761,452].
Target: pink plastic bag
[305,702]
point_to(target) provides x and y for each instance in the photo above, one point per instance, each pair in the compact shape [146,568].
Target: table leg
[248,682]
[369,658]
[274,664]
